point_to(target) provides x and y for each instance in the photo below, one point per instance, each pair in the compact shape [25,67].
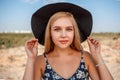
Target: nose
[63,33]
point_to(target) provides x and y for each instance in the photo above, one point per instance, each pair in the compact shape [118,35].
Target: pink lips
[63,41]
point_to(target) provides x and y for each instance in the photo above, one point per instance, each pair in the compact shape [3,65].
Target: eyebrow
[55,26]
[59,26]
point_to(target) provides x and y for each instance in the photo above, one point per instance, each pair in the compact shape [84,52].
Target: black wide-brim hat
[41,17]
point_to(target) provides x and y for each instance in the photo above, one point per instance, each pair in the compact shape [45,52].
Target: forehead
[63,21]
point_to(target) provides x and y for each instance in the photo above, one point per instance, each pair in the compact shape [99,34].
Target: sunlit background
[15,29]
[15,15]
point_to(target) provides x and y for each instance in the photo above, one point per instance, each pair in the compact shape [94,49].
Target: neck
[62,52]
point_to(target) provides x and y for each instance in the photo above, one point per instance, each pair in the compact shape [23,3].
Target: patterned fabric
[80,74]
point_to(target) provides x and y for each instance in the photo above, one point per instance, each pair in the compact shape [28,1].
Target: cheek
[71,36]
[54,36]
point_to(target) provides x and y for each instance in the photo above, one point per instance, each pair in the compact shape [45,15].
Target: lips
[63,41]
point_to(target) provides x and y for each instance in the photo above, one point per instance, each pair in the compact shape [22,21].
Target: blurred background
[15,29]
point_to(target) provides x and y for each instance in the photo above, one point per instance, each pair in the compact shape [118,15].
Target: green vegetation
[106,35]
[102,36]
[8,40]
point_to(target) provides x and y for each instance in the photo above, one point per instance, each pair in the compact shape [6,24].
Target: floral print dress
[80,74]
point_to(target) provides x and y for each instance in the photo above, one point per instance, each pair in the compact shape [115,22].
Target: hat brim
[40,19]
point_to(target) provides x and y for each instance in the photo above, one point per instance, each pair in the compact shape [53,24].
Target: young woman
[64,57]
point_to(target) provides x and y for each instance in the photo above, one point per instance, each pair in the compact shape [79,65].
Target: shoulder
[39,67]
[86,55]
[40,58]
[88,58]
[40,61]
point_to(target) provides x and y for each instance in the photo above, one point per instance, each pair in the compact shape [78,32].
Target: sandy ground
[13,60]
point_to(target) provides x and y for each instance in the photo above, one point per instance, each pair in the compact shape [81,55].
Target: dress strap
[46,60]
[45,57]
[82,54]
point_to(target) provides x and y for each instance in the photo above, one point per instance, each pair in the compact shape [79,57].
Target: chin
[64,46]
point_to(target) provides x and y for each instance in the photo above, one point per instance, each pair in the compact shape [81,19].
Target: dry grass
[13,56]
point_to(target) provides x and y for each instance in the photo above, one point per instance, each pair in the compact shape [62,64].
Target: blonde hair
[49,45]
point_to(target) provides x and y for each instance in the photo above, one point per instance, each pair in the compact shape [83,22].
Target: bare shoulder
[39,67]
[86,54]
[88,59]
[40,64]
[40,61]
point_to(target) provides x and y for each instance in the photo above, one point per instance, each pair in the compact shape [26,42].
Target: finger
[88,40]
[97,43]
[34,40]
[29,43]
[36,43]
[93,41]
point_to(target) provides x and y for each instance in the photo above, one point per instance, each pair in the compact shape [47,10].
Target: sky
[15,15]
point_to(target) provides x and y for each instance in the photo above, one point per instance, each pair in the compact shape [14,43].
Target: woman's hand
[94,46]
[31,47]
[95,49]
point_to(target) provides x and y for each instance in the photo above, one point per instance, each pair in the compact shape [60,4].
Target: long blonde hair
[49,45]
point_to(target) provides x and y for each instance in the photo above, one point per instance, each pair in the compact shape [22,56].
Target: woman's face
[62,32]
